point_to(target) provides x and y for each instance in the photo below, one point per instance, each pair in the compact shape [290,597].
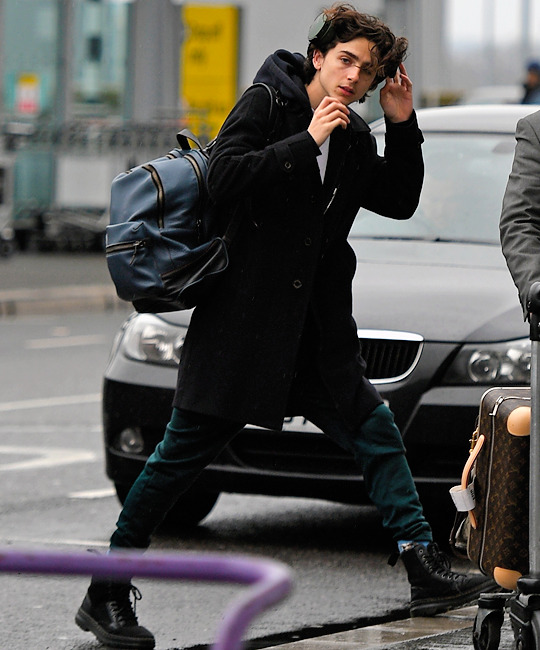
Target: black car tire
[190,509]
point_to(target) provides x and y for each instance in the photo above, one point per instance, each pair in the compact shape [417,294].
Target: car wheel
[190,509]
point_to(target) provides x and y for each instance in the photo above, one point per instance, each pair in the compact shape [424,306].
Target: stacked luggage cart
[58,177]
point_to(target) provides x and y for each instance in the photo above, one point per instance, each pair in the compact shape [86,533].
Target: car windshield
[465,180]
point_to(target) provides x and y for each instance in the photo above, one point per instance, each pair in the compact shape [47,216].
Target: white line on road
[66,400]
[93,494]
[46,457]
[65,342]
[88,543]
[41,430]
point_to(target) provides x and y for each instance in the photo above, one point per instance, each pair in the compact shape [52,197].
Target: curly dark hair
[347,24]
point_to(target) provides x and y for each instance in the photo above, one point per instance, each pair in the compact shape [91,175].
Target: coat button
[297,284]
[308,241]
[288,165]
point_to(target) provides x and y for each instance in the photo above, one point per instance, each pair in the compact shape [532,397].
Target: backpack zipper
[197,170]
[132,245]
[160,193]
[201,185]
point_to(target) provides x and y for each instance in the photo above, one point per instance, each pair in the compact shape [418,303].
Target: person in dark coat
[520,214]
[277,337]
[531,86]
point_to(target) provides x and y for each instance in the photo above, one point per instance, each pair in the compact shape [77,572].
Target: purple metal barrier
[269,581]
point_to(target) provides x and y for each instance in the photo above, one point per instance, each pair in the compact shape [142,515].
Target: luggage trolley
[523,604]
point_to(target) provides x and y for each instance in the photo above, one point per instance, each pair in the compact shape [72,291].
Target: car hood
[444,291]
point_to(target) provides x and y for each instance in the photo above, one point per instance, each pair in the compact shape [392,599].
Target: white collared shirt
[322,158]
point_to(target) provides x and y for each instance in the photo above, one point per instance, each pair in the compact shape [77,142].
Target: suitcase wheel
[487,625]
[525,620]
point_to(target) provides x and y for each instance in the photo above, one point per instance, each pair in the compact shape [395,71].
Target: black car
[439,322]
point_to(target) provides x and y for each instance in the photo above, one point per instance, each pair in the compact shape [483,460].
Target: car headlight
[148,338]
[493,363]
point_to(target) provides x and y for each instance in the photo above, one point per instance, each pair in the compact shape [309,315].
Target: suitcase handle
[466,475]
[463,494]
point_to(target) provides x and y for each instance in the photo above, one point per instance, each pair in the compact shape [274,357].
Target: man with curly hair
[278,337]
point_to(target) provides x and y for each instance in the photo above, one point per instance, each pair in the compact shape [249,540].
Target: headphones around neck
[321,31]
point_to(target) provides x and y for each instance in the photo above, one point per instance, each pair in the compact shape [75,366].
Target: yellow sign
[208,66]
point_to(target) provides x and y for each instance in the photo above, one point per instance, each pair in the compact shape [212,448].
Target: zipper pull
[331,199]
[136,246]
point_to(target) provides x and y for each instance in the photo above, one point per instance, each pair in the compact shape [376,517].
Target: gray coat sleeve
[520,217]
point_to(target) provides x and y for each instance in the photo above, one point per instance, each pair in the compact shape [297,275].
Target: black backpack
[161,253]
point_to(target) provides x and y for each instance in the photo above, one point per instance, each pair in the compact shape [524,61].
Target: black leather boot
[107,612]
[435,588]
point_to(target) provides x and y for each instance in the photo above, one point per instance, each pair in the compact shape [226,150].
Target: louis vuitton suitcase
[504,504]
[495,486]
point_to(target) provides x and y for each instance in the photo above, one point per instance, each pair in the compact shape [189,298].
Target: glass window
[100,52]
[464,183]
[29,37]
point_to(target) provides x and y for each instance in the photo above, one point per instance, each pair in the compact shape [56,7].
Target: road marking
[40,430]
[66,400]
[88,543]
[46,457]
[65,342]
[93,494]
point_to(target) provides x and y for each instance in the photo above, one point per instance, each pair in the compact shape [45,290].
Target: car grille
[288,452]
[389,355]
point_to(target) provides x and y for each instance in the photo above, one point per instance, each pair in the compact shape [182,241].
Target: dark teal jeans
[192,441]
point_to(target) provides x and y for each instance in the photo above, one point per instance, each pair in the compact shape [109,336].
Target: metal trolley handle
[533,308]
[268,581]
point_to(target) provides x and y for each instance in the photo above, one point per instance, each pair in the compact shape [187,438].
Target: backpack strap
[276,103]
[184,136]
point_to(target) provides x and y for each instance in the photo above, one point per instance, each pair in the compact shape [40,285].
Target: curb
[398,634]
[55,300]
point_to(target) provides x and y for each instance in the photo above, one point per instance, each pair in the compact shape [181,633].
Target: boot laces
[438,562]
[122,609]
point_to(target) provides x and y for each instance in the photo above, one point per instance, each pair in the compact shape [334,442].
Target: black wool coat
[283,308]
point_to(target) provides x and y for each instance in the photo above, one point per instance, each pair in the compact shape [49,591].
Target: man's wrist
[407,122]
